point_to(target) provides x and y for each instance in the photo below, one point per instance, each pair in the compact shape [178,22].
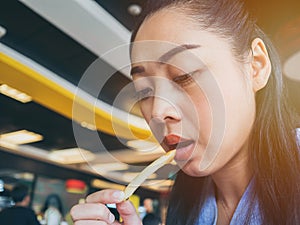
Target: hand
[94,211]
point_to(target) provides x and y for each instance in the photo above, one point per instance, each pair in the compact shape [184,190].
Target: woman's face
[193,93]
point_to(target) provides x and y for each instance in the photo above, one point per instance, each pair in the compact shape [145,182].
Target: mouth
[173,141]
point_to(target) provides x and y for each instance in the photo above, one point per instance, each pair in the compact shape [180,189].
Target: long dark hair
[53,200]
[273,152]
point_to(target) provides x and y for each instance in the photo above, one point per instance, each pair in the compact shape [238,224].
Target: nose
[164,116]
[164,109]
[165,102]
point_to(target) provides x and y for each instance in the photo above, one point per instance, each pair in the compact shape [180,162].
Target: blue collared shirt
[209,211]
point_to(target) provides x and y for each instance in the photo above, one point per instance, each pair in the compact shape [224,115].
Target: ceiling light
[134,9]
[21,137]
[2,31]
[24,176]
[71,156]
[14,93]
[88,125]
[38,76]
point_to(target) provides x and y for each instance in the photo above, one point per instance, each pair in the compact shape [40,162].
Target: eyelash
[143,94]
[182,80]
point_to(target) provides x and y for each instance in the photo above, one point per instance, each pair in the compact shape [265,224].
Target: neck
[232,180]
[23,204]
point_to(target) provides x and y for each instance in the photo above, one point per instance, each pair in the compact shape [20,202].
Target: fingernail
[111,218]
[119,195]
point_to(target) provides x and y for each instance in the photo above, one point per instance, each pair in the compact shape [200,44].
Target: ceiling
[50,49]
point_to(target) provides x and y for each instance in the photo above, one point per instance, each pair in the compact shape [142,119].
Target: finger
[106,196]
[89,211]
[128,213]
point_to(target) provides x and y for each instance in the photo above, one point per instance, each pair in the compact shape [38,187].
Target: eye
[143,94]
[184,79]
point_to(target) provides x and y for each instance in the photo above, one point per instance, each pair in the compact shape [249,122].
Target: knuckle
[73,212]
[104,211]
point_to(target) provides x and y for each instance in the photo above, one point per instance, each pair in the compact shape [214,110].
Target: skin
[25,202]
[148,204]
[190,110]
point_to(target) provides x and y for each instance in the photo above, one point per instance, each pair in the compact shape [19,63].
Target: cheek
[239,101]
[146,110]
[240,116]
[226,121]
[204,116]
[238,96]
[197,119]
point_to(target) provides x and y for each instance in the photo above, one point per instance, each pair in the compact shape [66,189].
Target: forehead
[163,22]
[167,29]
[164,27]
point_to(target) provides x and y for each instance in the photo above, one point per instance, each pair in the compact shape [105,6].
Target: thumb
[128,213]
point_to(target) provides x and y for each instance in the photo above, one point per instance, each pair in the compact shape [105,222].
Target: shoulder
[7,211]
[24,209]
[30,211]
[4,211]
[52,210]
[20,211]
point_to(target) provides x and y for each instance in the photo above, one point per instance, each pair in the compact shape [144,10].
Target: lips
[173,141]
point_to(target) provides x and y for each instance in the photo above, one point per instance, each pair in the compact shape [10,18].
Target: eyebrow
[171,53]
[166,56]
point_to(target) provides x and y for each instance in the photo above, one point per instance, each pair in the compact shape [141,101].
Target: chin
[192,168]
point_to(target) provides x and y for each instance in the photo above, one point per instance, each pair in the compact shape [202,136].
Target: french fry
[141,177]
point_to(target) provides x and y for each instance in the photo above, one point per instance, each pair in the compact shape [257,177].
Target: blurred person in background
[52,210]
[20,213]
[5,197]
[148,205]
[150,217]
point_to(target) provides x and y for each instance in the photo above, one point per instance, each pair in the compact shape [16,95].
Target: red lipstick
[184,147]
[172,139]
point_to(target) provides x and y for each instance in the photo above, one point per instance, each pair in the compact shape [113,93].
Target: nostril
[165,109]
[157,126]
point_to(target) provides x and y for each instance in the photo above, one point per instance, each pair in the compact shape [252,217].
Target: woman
[52,210]
[207,75]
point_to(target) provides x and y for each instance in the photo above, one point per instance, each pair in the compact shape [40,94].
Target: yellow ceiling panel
[59,99]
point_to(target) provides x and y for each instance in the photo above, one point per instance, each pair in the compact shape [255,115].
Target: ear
[261,65]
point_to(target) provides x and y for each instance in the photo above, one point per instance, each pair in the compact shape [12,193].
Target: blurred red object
[75,186]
